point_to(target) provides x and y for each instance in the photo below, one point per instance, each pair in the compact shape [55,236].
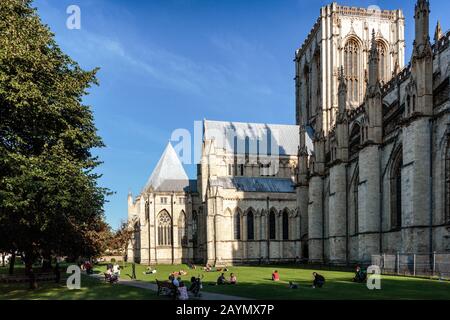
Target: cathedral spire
[437,32]
[130,198]
[422,19]
[373,61]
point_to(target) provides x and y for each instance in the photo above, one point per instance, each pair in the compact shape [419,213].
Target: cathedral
[365,171]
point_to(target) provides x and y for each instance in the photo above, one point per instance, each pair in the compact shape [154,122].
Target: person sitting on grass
[221,280]
[360,275]
[194,287]
[293,285]
[110,276]
[182,273]
[319,280]
[275,276]
[174,281]
[116,270]
[149,270]
[207,268]
[233,279]
[88,267]
[182,292]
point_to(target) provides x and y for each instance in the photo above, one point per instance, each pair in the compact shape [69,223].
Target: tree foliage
[121,238]
[50,201]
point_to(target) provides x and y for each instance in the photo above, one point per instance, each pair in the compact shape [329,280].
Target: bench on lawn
[111,278]
[166,286]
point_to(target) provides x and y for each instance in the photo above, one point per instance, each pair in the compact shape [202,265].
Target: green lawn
[255,282]
[91,289]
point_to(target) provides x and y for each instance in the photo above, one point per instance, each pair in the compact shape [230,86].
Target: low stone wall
[109,258]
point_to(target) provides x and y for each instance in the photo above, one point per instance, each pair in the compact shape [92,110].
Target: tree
[50,202]
[121,238]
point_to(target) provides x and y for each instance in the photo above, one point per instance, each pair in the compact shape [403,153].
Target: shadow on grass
[391,289]
[91,289]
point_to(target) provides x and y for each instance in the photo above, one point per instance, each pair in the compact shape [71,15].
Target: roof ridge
[253,123]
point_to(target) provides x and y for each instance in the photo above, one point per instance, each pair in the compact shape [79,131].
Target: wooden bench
[109,278]
[166,285]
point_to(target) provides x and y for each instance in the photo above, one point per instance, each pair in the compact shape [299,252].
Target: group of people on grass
[222,280]
[180,291]
[112,273]
[209,268]
[318,281]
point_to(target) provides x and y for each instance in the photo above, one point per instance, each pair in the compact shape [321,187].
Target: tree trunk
[29,271]
[47,263]
[3,259]
[12,262]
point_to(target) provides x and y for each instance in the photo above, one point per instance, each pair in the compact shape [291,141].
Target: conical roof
[169,174]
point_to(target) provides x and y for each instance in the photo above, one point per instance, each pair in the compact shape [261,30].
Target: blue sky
[165,64]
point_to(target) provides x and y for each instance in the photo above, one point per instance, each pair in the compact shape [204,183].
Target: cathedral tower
[342,37]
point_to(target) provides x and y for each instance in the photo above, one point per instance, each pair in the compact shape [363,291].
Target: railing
[414,264]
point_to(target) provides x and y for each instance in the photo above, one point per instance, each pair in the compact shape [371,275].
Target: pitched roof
[169,174]
[255,184]
[286,137]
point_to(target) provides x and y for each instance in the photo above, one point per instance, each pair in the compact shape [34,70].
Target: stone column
[369,202]
[337,214]
[210,233]
[416,186]
[315,220]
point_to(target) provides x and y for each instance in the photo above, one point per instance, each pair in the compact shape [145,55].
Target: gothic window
[163,200]
[355,139]
[382,62]
[447,182]
[237,225]
[272,225]
[351,63]
[182,230]
[164,229]
[408,105]
[307,90]
[241,169]
[396,191]
[250,226]
[285,225]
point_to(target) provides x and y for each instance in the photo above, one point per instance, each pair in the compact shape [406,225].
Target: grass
[91,289]
[255,282]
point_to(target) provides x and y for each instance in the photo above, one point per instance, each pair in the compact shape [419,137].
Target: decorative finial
[438,32]
[373,47]
[341,73]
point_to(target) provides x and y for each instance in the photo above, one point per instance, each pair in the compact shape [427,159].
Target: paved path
[154,287]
